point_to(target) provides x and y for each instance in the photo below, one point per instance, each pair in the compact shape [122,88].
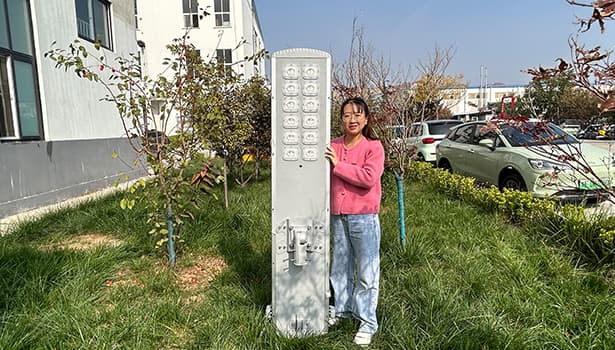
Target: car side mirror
[487,143]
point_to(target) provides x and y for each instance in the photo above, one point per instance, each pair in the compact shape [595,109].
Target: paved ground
[609,145]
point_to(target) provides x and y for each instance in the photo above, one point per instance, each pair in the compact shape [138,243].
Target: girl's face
[353,119]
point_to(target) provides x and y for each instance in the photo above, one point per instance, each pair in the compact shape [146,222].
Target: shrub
[590,237]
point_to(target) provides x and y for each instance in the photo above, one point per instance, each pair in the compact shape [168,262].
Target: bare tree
[593,68]
[396,101]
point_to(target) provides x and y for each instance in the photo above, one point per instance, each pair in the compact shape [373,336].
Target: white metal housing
[301,104]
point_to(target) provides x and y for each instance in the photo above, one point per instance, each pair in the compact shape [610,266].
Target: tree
[395,100]
[593,70]
[544,97]
[201,96]
[257,96]
[218,115]
[579,104]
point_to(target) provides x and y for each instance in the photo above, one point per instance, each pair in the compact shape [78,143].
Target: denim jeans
[355,271]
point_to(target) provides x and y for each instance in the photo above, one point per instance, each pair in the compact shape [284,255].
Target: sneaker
[363,338]
[333,319]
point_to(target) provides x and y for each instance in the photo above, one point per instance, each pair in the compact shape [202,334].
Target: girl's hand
[331,155]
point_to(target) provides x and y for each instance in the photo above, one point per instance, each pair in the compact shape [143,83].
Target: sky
[505,37]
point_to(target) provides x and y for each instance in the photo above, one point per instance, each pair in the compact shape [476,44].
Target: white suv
[424,136]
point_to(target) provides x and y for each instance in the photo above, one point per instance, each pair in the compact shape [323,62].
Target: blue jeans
[355,271]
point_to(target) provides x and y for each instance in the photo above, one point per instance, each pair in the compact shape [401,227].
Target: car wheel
[513,181]
[444,164]
[420,157]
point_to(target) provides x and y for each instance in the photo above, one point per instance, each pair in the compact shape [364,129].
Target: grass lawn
[91,278]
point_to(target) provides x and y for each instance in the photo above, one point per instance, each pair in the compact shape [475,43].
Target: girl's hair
[367,131]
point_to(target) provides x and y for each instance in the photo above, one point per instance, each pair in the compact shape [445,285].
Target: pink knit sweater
[355,180]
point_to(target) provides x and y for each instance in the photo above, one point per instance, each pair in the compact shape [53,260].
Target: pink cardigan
[355,180]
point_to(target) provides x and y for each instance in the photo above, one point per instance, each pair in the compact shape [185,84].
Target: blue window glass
[19,22]
[93,21]
[4,33]
[27,100]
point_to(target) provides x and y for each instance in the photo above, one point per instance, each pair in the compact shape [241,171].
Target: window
[490,134]
[442,128]
[93,21]
[191,13]
[463,134]
[20,116]
[225,57]
[136,15]
[222,13]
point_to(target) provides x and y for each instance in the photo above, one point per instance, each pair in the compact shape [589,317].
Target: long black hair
[367,131]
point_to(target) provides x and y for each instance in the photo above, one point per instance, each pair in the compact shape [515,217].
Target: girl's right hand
[331,155]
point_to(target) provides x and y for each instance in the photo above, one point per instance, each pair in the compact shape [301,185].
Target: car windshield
[441,128]
[535,134]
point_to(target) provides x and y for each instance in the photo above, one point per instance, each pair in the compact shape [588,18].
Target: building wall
[161,21]
[38,173]
[70,104]
[474,99]
[80,132]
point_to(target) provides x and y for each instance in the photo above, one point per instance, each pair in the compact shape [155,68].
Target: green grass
[466,280]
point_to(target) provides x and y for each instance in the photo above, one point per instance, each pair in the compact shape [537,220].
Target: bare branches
[593,68]
[603,10]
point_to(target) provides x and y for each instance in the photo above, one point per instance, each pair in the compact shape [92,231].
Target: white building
[226,30]
[472,102]
[57,137]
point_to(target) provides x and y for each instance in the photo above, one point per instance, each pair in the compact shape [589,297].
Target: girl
[357,161]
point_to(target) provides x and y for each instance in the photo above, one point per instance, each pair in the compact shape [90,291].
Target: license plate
[590,185]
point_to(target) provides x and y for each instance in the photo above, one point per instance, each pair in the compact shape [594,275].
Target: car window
[535,134]
[442,128]
[463,134]
[489,134]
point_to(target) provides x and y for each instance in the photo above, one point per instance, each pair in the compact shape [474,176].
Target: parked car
[594,132]
[571,126]
[513,157]
[426,135]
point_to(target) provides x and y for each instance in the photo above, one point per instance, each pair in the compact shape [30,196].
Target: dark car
[593,132]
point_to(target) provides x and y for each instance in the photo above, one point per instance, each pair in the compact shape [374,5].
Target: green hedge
[590,237]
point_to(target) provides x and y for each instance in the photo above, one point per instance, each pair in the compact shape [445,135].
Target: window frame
[190,12]
[10,99]
[9,121]
[220,12]
[228,65]
[92,23]
[464,134]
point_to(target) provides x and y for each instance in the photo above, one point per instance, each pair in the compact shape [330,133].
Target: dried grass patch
[84,242]
[196,278]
